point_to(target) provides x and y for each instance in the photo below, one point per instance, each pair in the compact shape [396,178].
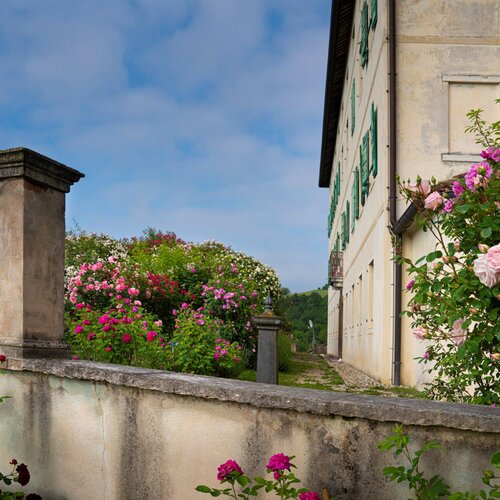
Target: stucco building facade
[401,77]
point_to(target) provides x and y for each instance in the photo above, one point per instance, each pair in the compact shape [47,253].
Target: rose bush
[455,289]
[280,465]
[157,301]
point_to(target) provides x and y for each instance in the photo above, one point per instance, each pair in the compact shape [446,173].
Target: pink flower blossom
[424,188]
[433,201]
[151,336]
[491,154]
[478,175]
[184,305]
[426,355]
[458,189]
[309,495]
[103,319]
[278,462]
[410,284]
[133,291]
[420,333]
[493,258]
[80,305]
[76,358]
[126,338]
[78,329]
[459,334]
[447,207]
[108,349]
[227,468]
[487,275]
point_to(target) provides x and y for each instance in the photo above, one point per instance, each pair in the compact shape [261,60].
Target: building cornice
[338,50]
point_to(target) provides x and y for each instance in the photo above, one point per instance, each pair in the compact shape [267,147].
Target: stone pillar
[267,347]
[32,230]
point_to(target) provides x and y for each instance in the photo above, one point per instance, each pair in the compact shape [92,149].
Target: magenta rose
[24,476]
[228,468]
[433,201]
[309,495]
[278,463]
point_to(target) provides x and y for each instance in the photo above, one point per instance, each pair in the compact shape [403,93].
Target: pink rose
[420,333]
[78,329]
[487,275]
[126,338]
[278,462]
[424,188]
[227,468]
[493,258]
[309,495]
[151,336]
[433,201]
[459,334]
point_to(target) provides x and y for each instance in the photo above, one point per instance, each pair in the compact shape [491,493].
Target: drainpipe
[397,268]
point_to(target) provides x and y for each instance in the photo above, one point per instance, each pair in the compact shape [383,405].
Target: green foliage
[200,345]
[455,303]
[435,487]
[299,308]
[284,352]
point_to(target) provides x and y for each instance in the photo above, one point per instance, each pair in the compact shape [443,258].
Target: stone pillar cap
[23,162]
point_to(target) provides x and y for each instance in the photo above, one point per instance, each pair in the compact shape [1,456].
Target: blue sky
[201,117]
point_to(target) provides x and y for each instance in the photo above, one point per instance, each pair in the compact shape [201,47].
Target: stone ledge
[406,411]
[23,162]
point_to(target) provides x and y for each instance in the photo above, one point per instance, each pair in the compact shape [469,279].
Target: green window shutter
[343,228]
[353,203]
[374,167]
[373,16]
[353,106]
[363,48]
[348,219]
[355,195]
[364,168]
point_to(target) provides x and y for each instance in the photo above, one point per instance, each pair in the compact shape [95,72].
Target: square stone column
[32,230]
[267,347]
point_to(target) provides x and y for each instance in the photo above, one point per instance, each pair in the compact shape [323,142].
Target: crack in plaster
[103,455]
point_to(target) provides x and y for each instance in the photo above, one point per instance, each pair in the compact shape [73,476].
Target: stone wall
[90,430]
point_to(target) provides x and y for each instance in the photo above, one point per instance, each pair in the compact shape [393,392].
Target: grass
[303,372]
[313,372]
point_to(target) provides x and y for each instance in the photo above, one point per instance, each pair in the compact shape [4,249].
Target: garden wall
[90,430]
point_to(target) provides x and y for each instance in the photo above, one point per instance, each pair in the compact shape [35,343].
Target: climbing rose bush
[454,290]
[231,474]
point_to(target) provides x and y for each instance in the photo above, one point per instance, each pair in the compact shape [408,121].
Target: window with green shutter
[342,230]
[347,220]
[353,203]
[356,194]
[373,14]
[353,106]
[374,167]
[363,48]
[364,168]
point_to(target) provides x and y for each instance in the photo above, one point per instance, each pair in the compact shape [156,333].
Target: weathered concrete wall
[97,431]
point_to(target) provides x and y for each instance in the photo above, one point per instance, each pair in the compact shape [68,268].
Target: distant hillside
[298,309]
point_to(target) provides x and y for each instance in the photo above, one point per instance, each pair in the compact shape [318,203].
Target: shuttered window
[355,194]
[364,168]
[353,106]
[374,167]
[373,14]
[363,48]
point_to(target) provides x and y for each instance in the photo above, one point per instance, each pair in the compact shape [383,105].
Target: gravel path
[351,376]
